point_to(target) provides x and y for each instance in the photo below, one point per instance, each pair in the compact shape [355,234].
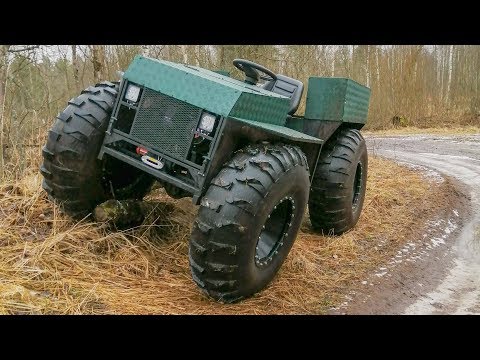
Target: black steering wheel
[254,72]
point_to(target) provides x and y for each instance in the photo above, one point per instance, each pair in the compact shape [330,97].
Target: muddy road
[444,277]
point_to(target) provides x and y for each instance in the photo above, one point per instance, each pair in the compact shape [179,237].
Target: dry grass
[50,265]
[455,130]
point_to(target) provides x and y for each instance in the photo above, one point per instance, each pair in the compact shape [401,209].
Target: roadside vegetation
[411,130]
[51,265]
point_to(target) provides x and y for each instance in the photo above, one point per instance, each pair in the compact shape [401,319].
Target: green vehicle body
[244,114]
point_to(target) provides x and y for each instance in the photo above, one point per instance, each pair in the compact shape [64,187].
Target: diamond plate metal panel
[208,90]
[261,108]
[282,131]
[337,99]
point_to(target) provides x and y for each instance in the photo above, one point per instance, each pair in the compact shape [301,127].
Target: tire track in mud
[457,277]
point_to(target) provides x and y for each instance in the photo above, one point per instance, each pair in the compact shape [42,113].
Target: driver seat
[288,87]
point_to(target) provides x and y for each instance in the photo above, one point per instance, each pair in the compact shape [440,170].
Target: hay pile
[51,265]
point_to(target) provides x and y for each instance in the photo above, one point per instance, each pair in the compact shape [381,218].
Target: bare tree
[75,67]
[98,61]
[3,87]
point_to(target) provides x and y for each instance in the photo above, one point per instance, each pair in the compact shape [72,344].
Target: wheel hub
[357,186]
[274,231]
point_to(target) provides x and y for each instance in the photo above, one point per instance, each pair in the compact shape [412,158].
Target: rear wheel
[72,173]
[339,184]
[248,221]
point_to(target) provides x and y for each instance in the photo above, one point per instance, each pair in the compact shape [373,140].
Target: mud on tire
[339,183]
[72,173]
[248,220]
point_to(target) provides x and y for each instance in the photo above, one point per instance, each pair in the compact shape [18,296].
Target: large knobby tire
[72,173]
[339,183]
[248,220]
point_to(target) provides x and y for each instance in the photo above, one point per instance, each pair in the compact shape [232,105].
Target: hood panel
[209,90]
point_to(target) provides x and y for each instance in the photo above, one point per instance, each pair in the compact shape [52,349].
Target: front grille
[165,123]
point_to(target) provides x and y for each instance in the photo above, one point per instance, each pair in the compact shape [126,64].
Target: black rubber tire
[72,173]
[332,196]
[233,212]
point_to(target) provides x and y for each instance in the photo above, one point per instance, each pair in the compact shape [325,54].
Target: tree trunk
[221,62]
[450,67]
[98,56]
[3,90]
[75,67]
[367,67]
[333,61]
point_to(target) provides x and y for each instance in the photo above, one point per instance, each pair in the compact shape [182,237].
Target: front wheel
[248,221]
[72,173]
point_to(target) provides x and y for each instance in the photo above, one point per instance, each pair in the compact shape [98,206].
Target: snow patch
[417,251]
[427,173]
[457,292]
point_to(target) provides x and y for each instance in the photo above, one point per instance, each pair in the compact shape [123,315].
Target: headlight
[207,122]
[132,93]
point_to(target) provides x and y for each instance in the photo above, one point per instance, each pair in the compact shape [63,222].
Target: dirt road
[445,277]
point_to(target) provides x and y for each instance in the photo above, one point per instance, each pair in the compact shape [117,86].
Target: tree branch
[28,48]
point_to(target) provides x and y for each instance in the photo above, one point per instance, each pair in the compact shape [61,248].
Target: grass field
[466,130]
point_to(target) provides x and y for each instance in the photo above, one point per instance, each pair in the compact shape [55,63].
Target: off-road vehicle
[237,148]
